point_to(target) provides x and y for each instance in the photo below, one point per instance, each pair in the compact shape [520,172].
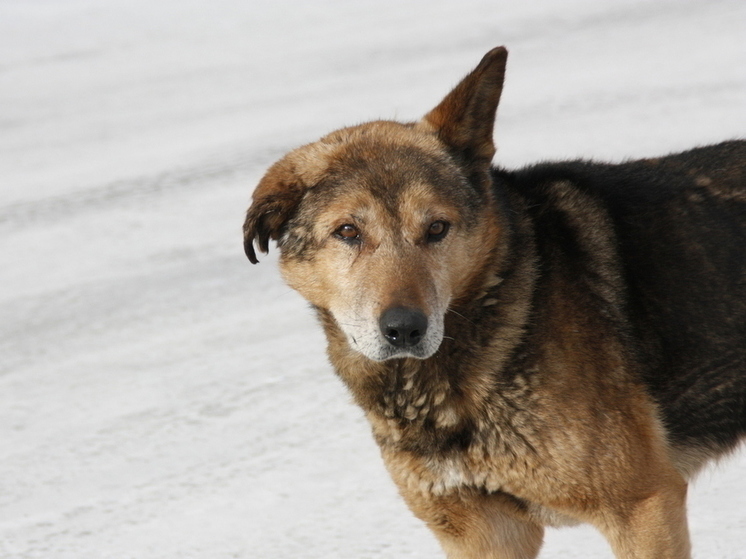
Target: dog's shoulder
[703,189]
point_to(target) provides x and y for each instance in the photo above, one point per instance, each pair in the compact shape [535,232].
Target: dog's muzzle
[398,332]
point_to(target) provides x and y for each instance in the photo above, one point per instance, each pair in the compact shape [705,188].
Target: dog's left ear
[465,119]
[274,201]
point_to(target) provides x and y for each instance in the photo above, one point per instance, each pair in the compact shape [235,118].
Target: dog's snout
[403,327]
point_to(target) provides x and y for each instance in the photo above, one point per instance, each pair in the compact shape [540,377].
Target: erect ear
[465,119]
[274,201]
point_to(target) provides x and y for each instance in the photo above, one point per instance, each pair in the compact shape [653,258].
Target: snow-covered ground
[160,398]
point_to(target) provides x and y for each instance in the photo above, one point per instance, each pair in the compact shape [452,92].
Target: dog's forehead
[385,132]
[385,159]
[381,150]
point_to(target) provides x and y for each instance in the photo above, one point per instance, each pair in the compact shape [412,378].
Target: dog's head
[385,225]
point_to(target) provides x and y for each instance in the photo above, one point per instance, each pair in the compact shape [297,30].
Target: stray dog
[564,343]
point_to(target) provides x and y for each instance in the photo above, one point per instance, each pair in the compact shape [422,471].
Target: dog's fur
[565,343]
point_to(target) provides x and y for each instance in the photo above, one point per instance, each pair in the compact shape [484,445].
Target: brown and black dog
[565,343]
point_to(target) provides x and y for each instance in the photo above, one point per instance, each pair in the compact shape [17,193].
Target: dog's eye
[437,230]
[348,233]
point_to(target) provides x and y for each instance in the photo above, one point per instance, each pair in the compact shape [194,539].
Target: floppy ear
[274,201]
[465,119]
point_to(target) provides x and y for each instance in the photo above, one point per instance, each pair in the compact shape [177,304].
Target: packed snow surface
[160,398]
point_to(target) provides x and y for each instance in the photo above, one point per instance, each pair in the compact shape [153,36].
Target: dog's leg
[473,525]
[651,528]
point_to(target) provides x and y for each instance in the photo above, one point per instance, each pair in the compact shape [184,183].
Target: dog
[559,344]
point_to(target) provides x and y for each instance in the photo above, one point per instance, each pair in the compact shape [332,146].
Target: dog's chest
[430,440]
[487,467]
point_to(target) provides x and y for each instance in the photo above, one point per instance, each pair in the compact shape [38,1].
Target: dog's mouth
[401,332]
[419,351]
[384,351]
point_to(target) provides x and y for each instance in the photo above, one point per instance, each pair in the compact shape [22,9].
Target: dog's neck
[445,393]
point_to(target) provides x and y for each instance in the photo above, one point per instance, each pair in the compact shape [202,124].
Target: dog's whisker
[450,310]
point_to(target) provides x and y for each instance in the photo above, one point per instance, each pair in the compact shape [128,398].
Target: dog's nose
[403,327]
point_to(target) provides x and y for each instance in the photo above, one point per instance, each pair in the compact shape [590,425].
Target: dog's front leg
[651,528]
[471,524]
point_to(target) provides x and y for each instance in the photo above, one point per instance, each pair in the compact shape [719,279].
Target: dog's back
[680,225]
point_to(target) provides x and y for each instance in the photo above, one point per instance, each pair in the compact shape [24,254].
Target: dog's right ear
[281,191]
[273,203]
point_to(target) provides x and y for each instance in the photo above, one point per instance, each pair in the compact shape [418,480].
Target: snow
[160,398]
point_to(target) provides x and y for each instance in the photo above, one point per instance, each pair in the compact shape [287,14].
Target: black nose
[403,327]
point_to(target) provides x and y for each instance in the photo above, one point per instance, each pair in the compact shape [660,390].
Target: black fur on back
[679,224]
